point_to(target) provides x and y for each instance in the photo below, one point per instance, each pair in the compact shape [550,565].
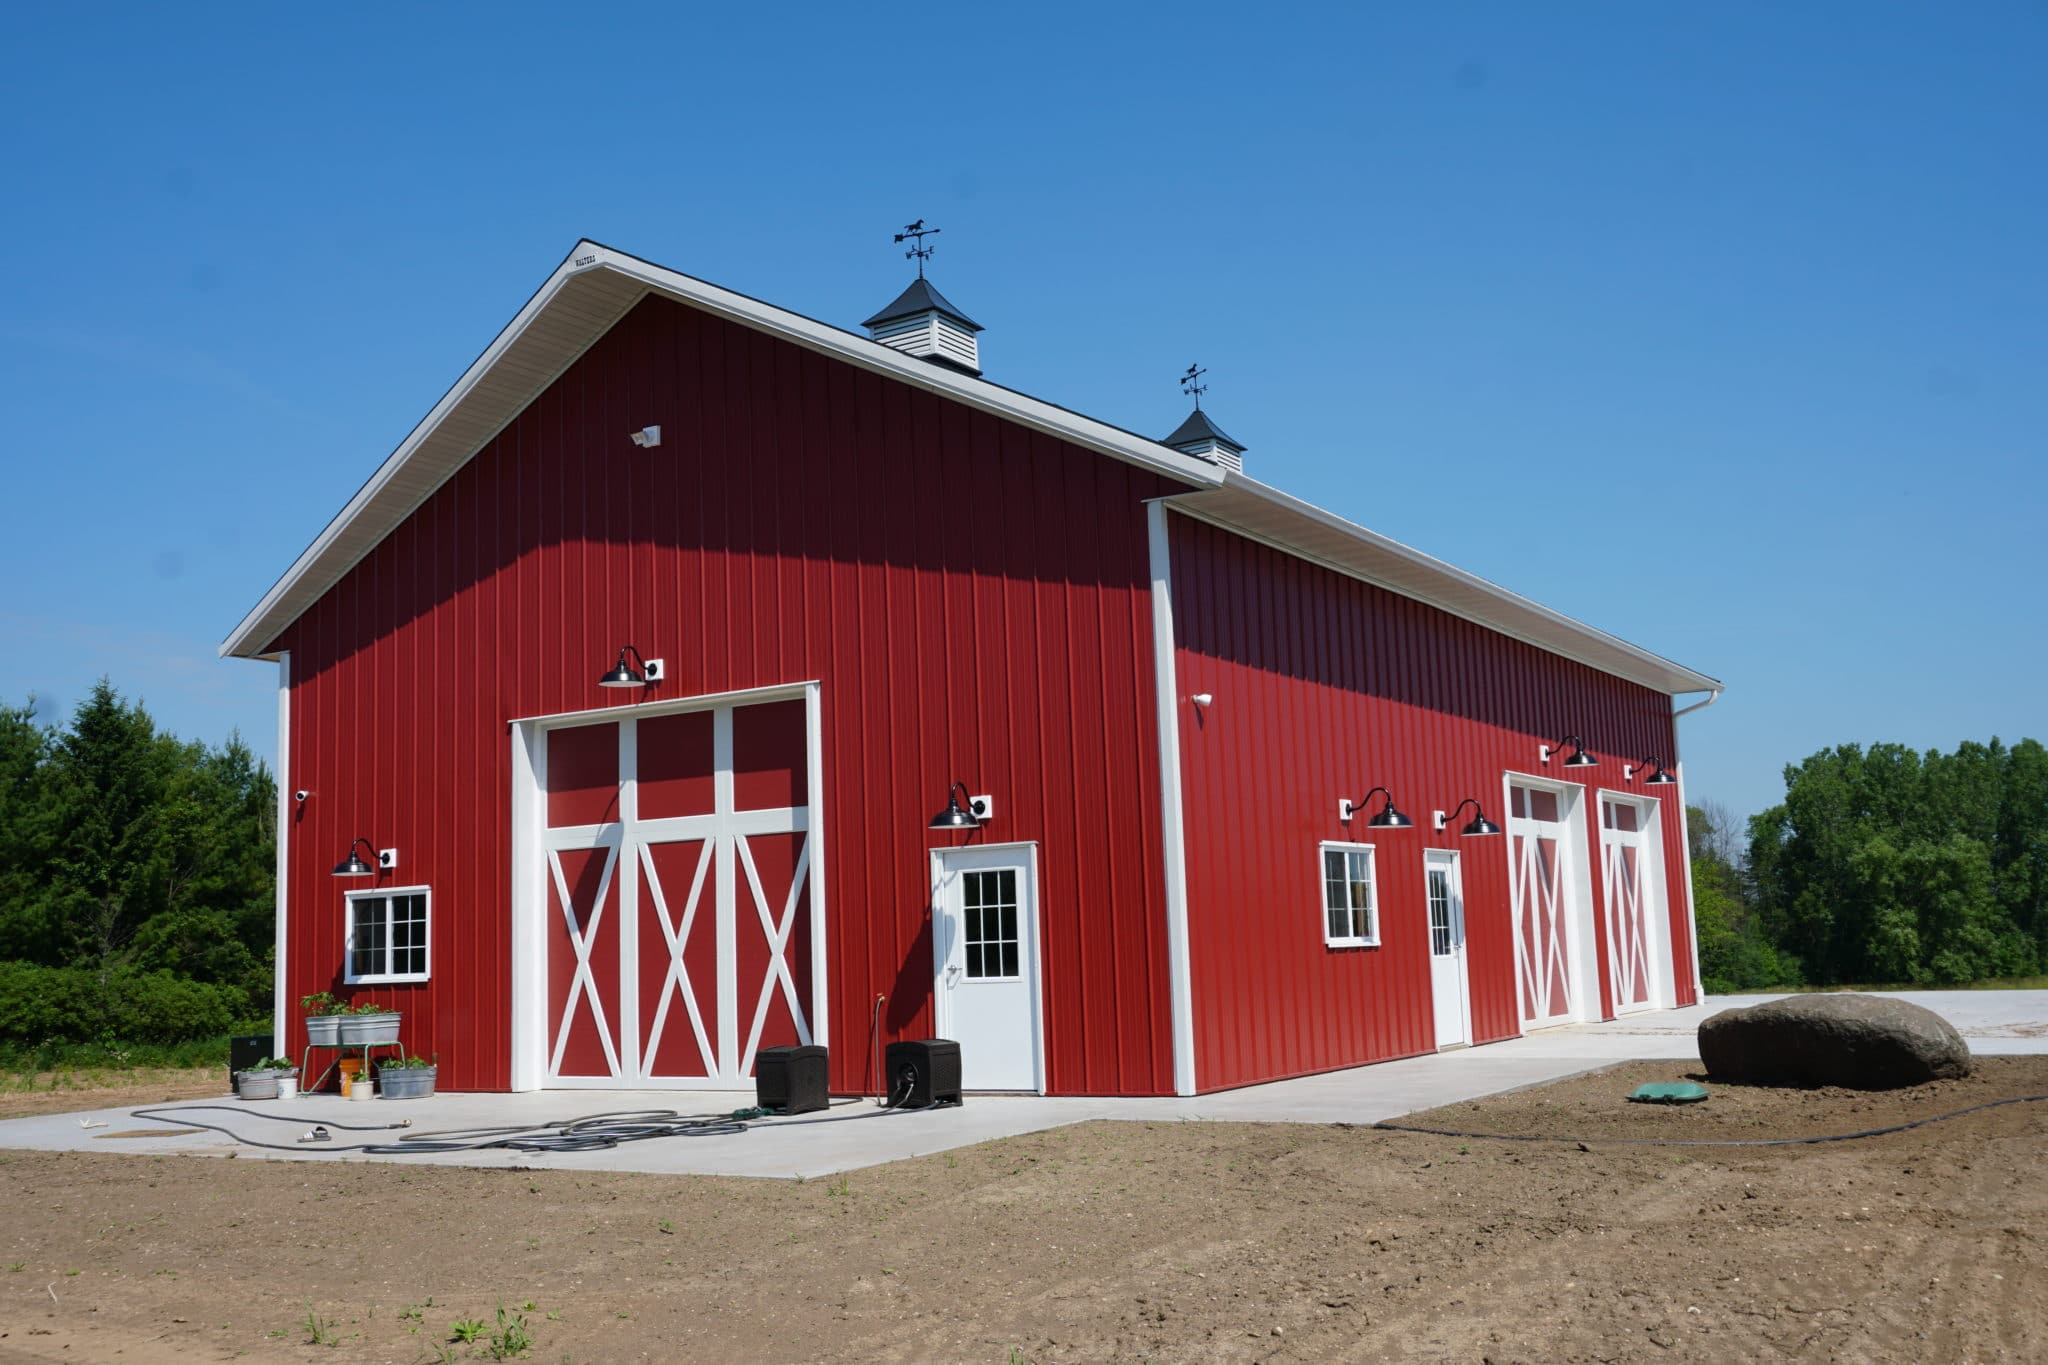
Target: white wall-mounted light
[1203,698]
[647,437]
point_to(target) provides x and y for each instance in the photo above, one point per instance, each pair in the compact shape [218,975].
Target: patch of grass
[57,1065]
[1996,983]
[512,1339]
[465,1330]
[319,1330]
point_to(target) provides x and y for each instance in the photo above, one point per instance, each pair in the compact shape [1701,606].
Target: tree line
[1881,866]
[135,878]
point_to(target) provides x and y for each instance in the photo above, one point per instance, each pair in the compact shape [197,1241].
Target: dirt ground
[1108,1241]
[45,1093]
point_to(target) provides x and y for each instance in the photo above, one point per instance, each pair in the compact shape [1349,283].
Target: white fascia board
[1520,618]
[807,332]
[239,642]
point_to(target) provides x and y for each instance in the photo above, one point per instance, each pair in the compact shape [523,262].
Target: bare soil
[59,1093]
[1108,1241]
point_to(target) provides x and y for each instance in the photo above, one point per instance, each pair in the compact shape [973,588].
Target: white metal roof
[595,286]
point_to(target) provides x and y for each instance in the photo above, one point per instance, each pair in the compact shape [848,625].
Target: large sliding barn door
[1631,874]
[1543,887]
[678,914]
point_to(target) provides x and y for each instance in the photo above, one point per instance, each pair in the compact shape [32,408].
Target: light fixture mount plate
[387,858]
[655,670]
[982,808]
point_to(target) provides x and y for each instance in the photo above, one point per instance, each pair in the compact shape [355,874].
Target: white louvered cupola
[1202,438]
[922,323]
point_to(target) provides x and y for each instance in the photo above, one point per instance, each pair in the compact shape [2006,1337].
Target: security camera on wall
[300,795]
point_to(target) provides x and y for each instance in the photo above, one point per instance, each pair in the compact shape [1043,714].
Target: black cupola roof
[921,298]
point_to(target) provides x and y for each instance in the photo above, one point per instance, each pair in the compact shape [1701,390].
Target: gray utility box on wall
[790,1080]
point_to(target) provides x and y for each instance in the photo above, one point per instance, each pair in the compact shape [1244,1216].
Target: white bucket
[287,1087]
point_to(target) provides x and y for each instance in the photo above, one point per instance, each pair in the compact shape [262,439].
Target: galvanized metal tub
[413,1083]
[358,1029]
[323,1030]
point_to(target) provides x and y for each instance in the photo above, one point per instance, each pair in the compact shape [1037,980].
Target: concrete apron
[854,1133]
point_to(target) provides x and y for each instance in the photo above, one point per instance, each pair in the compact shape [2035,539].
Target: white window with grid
[1350,899]
[387,936]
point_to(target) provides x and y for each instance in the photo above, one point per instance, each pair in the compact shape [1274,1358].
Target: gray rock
[1864,1042]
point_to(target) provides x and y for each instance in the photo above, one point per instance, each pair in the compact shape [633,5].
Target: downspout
[1692,924]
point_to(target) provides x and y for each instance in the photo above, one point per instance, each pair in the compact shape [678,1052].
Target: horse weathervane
[1191,384]
[915,233]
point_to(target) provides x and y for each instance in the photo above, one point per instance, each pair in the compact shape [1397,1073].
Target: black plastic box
[790,1080]
[245,1050]
[924,1072]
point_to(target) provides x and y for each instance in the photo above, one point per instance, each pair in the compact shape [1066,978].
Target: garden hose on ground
[591,1133]
[1716,1142]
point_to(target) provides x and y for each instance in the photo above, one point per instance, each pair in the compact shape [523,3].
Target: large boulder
[1864,1042]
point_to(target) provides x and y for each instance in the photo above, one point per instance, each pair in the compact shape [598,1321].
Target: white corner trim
[529,907]
[1692,923]
[282,874]
[1172,813]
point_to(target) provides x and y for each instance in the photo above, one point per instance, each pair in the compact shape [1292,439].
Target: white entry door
[1449,982]
[985,950]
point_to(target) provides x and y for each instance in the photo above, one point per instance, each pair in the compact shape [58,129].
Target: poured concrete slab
[855,1133]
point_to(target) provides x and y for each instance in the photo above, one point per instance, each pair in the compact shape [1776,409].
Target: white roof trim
[346,539]
[596,285]
[1246,507]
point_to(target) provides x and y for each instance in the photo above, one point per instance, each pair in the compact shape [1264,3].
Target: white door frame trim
[530,838]
[941,1006]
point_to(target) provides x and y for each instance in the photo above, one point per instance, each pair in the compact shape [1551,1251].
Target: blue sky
[1723,328]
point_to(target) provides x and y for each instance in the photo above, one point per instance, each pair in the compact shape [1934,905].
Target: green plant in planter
[406,1064]
[319,1003]
[275,1064]
[366,1007]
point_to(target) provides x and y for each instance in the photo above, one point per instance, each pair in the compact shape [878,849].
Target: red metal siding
[972,595]
[1325,686]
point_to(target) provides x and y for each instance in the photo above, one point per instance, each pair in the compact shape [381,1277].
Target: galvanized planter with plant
[260,1081]
[369,1023]
[323,1018]
[407,1078]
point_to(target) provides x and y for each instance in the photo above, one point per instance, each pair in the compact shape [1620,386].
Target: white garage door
[678,922]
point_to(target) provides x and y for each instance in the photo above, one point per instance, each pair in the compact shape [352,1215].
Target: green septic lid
[1669,1092]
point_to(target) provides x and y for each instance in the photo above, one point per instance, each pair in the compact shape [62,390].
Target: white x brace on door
[679,923]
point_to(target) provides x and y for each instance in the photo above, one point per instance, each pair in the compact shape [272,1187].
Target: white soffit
[1254,509]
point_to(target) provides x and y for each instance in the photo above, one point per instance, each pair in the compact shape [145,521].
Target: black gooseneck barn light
[1658,777]
[624,674]
[353,866]
[955,815]
[1579,758]
[1479,826]
[1388,818]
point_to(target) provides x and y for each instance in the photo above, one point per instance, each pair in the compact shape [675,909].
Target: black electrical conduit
[1717,1142]
[591,1133]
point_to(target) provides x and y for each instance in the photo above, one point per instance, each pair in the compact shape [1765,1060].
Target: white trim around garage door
[530,839]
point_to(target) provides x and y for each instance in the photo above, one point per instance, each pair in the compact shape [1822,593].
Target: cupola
[922,323]
[1200,437]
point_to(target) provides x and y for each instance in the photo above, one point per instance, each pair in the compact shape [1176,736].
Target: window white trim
[348,953]
[1371,938]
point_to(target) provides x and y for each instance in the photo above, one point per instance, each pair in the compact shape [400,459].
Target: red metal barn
[644,662]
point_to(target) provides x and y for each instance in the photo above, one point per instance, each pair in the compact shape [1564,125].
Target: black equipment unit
[922,1073]
[245,1050]
[790,1080]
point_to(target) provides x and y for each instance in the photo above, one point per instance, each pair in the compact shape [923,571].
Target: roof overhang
[596,286]
[1263,513]
[590,291]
